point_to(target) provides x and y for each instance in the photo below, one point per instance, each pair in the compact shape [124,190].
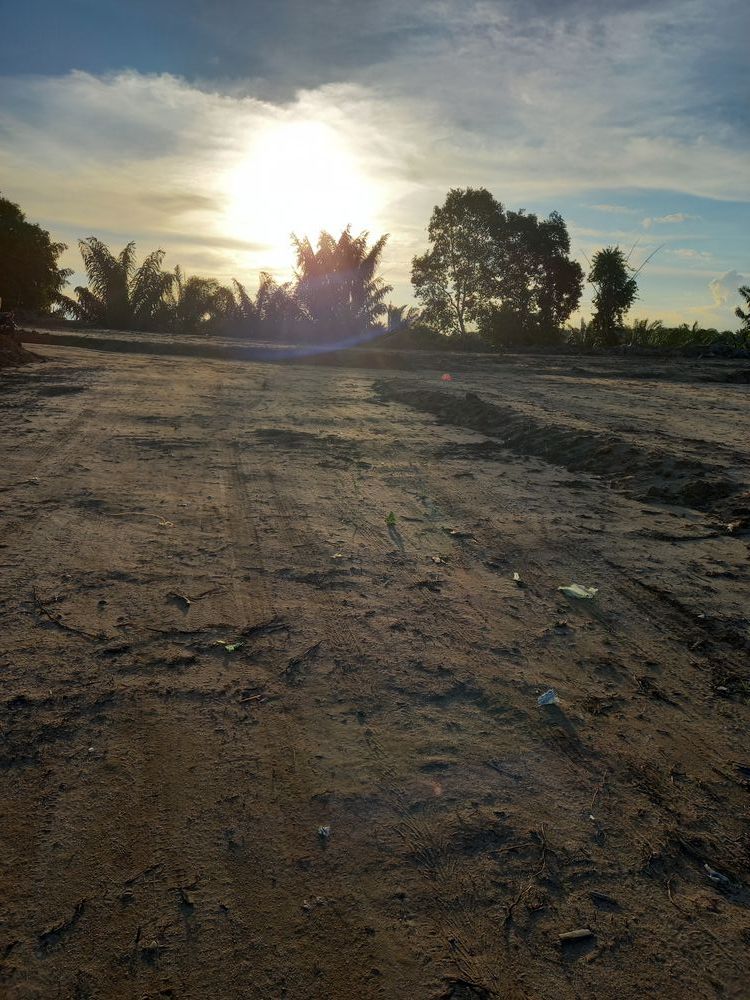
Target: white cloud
[724,288]
[156,159]
[615,209]
[559,104]
[687,253]
[675,217]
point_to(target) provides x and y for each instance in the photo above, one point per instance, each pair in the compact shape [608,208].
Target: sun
[296,177]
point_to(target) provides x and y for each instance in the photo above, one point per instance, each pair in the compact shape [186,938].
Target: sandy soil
[163,794]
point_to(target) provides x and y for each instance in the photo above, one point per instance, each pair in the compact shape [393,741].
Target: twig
[275,624]
[22,482]
[599,789]
[144,513]
[671,898]
[638,271]
[179,631]
[205,593]
[44,610]
[546,849]
[509,907]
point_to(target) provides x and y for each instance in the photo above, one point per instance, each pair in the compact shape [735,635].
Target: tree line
[489,273]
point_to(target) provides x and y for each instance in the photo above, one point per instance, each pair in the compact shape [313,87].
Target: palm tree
[337,287]
[120,295]
[189,304]
[400,317]
[279,314]
[234,310]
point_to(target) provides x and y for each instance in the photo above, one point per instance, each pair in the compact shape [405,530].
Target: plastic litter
[230,647]
[517,580]
[324,832]
[446,378]
[576,590]
[716,876]
[548,698]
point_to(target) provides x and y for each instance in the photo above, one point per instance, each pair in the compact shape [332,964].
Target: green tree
[337,288]
[29,274]
[121,295]
[454,278]
[615,291]
[537,285]
[507,273]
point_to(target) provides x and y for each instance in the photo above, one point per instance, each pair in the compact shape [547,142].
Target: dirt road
[261,739]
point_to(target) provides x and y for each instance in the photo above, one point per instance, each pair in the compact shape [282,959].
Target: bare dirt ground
[163,793]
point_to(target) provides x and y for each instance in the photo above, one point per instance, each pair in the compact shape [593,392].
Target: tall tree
[29,274]
[121,295]
[615,291]
[507,273]
[337,288]
[454,278]
[537,285]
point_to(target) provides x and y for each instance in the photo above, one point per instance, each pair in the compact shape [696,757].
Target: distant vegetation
[490,277]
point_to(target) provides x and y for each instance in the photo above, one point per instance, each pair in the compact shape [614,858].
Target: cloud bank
[550,105]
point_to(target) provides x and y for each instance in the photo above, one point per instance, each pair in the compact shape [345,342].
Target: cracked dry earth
[257,741]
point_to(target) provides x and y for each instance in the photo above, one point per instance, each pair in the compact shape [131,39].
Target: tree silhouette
[279,313]
[455,276]
[616,291]
[337,289]
[189,304]
[29,276]
[507,273]
[400,317]
[234,310]
[743,314]
[121,295]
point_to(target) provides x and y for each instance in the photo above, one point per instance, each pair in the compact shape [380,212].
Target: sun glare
[296,178]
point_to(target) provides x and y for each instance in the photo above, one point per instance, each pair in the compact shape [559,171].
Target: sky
[215,128]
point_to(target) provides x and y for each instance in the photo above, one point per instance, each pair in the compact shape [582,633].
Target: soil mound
[636,471]
[12,352]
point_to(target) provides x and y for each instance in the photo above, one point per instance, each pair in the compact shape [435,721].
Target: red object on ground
[446,378]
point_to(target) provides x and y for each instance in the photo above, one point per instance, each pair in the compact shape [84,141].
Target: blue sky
[212,127]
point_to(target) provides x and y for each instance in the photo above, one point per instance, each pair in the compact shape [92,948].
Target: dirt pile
[638,472]
[12,352]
